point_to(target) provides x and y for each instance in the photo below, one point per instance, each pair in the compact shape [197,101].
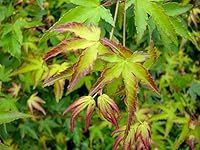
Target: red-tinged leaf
[34,102]
[59,89]
[78,106]
[75,113]
[131,87]
[141,73]
[38,107]
[67,46]
[129,140]
[120,136]
[91,33]
[89,112]
[138,137]
[117,48]
[118,140]
[111,116]
[143,136]
[109,109]
[39,100]
[112,104]
[14,90]
[129,137]
[84,65]
[107,76]
[78,102]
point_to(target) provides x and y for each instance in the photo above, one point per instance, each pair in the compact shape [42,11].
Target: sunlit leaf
[141,73]
[67,46]
[79,105]
[91,33]
[84,65]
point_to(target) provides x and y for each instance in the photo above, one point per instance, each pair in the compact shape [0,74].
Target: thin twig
[124,25]
[115,19]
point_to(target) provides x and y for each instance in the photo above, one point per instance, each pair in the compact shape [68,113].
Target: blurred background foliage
[174,115]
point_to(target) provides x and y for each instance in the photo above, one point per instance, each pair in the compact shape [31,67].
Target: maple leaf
[165,17]
[130,66]
[82,13]
[109,109]
[87,40]
[79,105]
[14,90]
[34,102]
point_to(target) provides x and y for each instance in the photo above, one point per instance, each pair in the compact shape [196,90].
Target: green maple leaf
[12,38]
[129,66]
[169,114]
[89,11]
[165,17]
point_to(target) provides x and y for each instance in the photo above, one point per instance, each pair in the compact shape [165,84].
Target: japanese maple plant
[84,39]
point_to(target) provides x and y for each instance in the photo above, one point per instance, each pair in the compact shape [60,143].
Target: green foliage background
[174,115]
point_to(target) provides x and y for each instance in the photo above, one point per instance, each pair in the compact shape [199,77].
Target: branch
[124,25]
[115,19]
